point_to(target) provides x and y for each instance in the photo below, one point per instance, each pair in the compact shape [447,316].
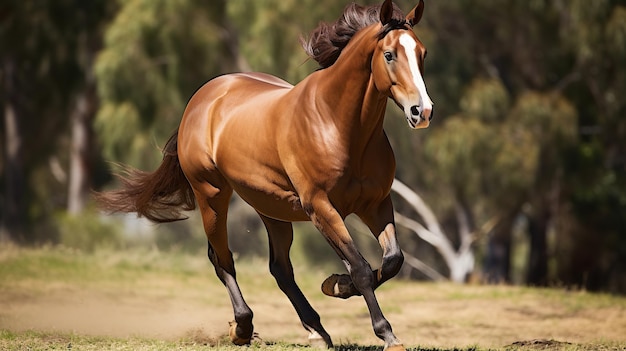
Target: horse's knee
[362,276]
[392,263]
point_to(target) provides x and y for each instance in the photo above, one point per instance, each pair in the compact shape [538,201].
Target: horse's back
[228,134]
[228,99]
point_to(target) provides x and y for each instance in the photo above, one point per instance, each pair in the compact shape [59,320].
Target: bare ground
[196,305]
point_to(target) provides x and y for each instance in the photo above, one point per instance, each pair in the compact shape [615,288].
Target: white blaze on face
[409,45]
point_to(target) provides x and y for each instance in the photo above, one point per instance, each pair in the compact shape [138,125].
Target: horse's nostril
[414,110]
[432,113]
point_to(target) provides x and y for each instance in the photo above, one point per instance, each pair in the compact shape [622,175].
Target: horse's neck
[348,89]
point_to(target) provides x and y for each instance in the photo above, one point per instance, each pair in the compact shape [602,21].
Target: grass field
[149,300]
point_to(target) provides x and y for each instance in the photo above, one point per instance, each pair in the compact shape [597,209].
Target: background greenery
[529,131]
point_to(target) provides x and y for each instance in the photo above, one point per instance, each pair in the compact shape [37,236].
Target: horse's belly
[272,201]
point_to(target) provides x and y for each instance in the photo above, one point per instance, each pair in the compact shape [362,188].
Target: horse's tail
[159,196]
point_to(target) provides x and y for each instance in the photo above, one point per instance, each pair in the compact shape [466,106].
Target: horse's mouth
[415,116]
[417,122]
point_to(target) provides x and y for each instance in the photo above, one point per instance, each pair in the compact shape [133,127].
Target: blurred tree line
[526,156]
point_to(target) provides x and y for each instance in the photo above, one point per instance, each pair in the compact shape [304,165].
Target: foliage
[529,93]
[529,125]
[43,54]
[156,54]
[87,232]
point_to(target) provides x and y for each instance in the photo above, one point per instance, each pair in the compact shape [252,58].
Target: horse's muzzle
[417,115]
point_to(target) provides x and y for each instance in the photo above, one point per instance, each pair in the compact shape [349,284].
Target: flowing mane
[326,42]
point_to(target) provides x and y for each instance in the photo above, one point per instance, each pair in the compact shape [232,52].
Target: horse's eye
[388,56]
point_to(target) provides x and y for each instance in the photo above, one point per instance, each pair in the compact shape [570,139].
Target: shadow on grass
[354,347]
[199,337]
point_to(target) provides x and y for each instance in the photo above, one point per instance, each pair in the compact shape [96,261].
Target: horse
[314,152]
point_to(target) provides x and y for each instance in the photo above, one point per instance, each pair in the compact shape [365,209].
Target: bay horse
[315,152]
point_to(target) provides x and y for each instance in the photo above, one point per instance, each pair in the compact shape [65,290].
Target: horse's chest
[361,193]
[364,186]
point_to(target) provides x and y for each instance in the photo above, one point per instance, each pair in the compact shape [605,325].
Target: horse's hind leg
[280,239]
[213,210]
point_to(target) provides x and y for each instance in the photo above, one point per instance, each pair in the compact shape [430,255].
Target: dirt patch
[101,313]
[195,306]
[541,344]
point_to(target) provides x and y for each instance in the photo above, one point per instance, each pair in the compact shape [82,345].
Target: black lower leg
[244,328]
[308,316]
[365,281]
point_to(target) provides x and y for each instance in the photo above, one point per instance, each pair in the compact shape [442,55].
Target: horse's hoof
[236,339]
[316,341]
[339,285]
[397,347]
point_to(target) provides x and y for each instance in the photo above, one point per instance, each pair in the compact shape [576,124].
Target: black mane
[326,42]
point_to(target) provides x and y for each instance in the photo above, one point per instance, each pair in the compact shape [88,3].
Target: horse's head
[398,63]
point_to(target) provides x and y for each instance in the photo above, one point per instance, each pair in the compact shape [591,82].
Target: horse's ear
[386,12]
[415,15]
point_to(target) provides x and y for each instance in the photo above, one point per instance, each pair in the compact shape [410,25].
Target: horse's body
[314,151]
[271,155]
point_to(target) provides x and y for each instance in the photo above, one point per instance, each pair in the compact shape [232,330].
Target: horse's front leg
[326,218]
[381,222]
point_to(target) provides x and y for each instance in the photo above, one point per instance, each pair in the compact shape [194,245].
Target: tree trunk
[460,261]
[80,170]
[13,204]
[498,259]
[538,255]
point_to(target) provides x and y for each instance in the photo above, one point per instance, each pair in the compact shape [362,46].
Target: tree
[156,54]
[557,63]
[593,249]
[13,169]
[90,20]
[460,262]
[41,73]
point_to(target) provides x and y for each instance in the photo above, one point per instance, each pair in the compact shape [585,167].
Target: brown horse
[314,151]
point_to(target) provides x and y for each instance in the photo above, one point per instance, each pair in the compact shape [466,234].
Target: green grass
[441,317]
[34,341]
[107,265]
[31,340]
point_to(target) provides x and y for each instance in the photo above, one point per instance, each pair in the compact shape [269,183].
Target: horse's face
[397,66]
